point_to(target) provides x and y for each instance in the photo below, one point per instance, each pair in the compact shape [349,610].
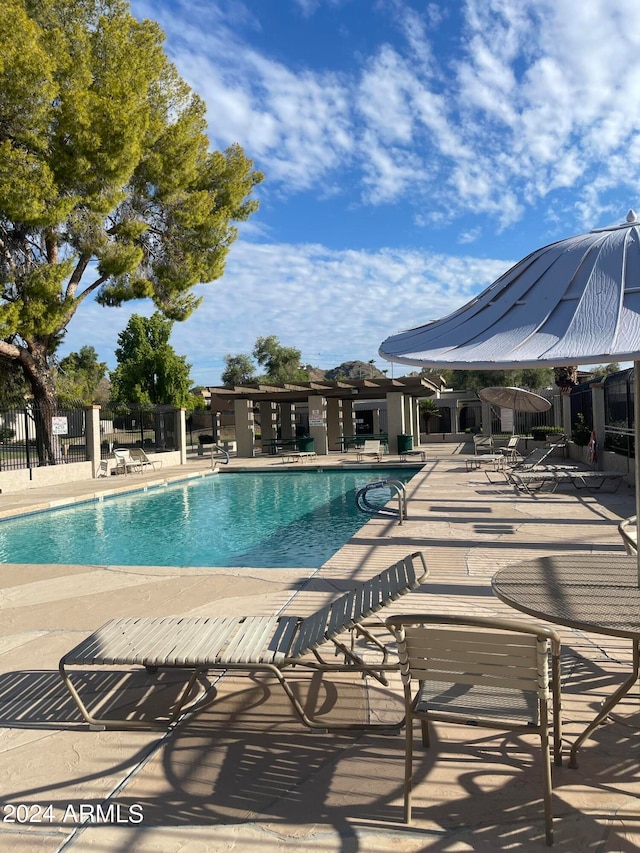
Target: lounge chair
[482,444]
[370,448]
[510,450]
[479,671]
[270,644]
[531,470]
[139,457]
[125,463]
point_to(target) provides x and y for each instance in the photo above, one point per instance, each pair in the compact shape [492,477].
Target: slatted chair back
[533,459]
[478,670]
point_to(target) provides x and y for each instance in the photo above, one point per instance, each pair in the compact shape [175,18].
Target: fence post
[92,437]
[598,425]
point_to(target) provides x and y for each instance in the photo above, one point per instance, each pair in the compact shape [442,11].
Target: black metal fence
[26,443]
[32,438]
[618,411]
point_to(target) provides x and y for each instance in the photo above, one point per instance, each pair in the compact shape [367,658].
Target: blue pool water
[296,519]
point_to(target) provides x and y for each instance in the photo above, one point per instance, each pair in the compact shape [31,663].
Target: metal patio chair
[487,672]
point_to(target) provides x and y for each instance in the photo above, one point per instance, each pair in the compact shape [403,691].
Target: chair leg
[546,773]
[408,767]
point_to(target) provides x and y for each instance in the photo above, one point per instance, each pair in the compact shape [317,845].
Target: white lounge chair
[370,448]
[125,462]
[140,457]
[270,644]
[482,444]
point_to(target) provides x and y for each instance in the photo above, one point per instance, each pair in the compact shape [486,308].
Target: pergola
[330,406]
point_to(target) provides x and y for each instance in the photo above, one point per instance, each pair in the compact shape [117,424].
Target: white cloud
[530,97]
[332,305]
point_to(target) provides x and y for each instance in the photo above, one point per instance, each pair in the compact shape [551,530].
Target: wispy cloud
[534,97]
[332,305]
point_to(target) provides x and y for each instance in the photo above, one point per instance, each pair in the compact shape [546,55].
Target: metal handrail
[223,451]
[401,493]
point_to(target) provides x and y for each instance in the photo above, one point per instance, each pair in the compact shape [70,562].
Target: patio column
[92,436]
[334,419]
[415,420]
[287,420]
[348,419]
[181,434]
[395,418]
[597,403]
[268,422]
[375,421]
[245,428]
[318,424]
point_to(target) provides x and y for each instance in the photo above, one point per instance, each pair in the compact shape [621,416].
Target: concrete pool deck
[243,774]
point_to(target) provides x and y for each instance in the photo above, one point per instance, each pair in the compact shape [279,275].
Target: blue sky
[412,152]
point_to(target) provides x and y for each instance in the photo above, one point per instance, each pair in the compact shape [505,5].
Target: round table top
[595,592]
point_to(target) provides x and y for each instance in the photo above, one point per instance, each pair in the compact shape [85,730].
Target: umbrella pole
[636,451]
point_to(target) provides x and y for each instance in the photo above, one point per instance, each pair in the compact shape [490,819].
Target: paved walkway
[243,774]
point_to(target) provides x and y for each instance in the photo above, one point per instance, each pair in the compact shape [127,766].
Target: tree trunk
[38,374]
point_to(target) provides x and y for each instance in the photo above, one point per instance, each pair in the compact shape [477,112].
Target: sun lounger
[553,476]
[125,462]
[482,444]
[533,462]
[299,456]
[593,480]
[140,458]
[370,448]
[270,644]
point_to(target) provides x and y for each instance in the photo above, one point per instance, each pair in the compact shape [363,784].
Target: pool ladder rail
[224,452]
[395,485]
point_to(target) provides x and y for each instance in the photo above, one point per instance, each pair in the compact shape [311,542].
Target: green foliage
[149,372]
[13,386]
[104,157]
[581,433]
[430,408]
[532,379]
[282,364]
[239,370]
[79,377]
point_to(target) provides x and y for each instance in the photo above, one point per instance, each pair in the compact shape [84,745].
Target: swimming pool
[287,520]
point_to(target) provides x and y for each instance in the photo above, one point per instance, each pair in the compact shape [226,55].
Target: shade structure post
[636,432]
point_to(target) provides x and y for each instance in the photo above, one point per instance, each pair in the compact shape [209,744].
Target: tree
[13,387]
[430,409]
[149,372]
[79,377]
[282,364]
[240,370]
[532,379]
[107,185]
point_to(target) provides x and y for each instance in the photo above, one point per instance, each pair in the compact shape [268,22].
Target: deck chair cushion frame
[270,644]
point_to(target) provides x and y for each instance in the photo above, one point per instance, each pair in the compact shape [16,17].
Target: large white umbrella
[517,399]
[573,302]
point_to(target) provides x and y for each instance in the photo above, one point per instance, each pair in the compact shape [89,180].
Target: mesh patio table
[597,593]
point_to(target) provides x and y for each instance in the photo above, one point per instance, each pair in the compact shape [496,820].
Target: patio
[243,774]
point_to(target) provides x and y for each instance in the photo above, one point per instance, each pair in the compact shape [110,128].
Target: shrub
[581,434]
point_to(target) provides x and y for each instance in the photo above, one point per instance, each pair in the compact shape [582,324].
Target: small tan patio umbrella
[516,399]
[573,302]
